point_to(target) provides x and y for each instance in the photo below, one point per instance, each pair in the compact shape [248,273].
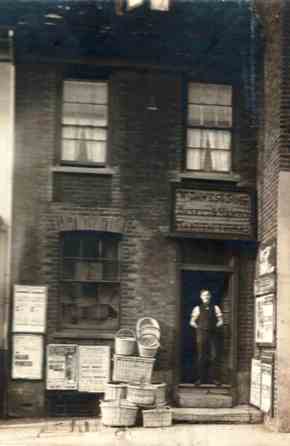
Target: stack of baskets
[131,388]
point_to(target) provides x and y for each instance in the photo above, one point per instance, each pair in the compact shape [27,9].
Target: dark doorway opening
[192,282]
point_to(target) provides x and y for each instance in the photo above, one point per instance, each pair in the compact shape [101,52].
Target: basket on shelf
[118,413]
[148,345]
[160,417]
[125,342]
[132,369]
[115,391]
[141,395]
[148,326]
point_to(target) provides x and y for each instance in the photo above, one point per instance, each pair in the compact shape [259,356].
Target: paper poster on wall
[27,356]
[265,319]
[255,394]
[62,362]
[266,387]
[94,368]
[267,259]
[29,309]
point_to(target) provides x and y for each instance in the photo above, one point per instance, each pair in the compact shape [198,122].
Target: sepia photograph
[145,222]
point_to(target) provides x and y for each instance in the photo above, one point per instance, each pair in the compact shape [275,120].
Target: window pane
[195,159]
[90,246]
[213,139]
[221,161]
[85,114]
[85,92]
[195,115]
[209,94]
[71,245]
[84,151]
[98,134]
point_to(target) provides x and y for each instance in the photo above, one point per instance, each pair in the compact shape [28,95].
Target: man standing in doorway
[207,320]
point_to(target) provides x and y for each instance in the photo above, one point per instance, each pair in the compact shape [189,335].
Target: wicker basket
[161,417]
[115,391]
[141,395]
[160,393]
[148,325]
[132,369]
[125,342]
[118,413]
[148,345]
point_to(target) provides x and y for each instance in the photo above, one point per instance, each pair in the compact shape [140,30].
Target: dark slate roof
[192,33]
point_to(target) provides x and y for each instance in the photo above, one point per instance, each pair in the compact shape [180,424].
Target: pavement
[91,432]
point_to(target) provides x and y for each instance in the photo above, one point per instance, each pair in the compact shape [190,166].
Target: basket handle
[124,332]
[141,321]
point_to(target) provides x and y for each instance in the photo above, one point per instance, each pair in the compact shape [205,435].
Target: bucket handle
[124,332]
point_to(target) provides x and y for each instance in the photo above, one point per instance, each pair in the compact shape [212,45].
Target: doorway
[217,282]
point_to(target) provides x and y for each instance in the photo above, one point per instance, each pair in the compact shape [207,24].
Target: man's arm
[194,316]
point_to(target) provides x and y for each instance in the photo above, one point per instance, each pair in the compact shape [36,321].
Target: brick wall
[146,151]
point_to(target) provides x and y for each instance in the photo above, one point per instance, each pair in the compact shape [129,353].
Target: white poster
[27,356]
[94,368]
[266,387]
[134,3]
[61,372]
[29,309]
[255,395]
[161,5]
[265,320]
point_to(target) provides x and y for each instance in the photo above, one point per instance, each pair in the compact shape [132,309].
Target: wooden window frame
[230,130]
[76,163]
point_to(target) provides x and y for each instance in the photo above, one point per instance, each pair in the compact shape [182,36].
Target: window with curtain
[84,122]
[209,127]
[90,280]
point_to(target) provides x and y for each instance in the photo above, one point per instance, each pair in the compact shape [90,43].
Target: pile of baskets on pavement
[131,392]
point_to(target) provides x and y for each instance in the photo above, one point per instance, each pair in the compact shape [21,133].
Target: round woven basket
[118,413]
[125,342]
[148,325]
[141,395]
[115,391]
[148,345]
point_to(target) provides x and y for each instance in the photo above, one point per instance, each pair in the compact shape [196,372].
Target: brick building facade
[127,202]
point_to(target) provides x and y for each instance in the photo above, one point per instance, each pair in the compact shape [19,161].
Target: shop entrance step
[242,414]
[206,396]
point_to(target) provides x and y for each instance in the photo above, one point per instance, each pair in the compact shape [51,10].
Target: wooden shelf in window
[90,281]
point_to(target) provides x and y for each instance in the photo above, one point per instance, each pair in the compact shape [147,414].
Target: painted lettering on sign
[215,212]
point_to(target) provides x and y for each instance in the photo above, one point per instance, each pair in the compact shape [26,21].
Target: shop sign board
[265,319]
[27,356]
[29,309]
[266,387]
[267,259]
[255,394]
[62,363]
[265,284]
[94,368]
[221,214]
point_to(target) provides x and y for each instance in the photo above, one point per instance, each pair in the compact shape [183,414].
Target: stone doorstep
[242,414]
[203,397]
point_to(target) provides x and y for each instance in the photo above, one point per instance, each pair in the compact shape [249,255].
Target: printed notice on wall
[94,368]
[255,395]
[61,373]
[266,387]
[29,309]
[27,356]
[265,319]
[267,259]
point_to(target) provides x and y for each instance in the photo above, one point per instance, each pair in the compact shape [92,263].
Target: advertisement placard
[27,356]
[29,309]
[62,363]
[94,368]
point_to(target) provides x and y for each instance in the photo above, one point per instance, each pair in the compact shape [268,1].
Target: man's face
[205,297]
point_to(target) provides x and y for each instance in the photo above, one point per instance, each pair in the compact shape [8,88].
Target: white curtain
[161,5]
[213,139]
[211,94]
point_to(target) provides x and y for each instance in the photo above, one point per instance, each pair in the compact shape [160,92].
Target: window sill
[81,334]
[213,176]
[84,170]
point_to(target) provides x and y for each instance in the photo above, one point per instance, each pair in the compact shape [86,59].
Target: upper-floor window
[84,122]
[209,127]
